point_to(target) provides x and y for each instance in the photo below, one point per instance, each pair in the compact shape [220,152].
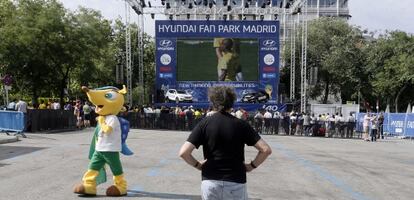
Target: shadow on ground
[135,193]
[7,152]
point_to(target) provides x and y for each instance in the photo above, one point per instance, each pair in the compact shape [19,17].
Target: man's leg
[239,76]
[212,190]
[234,191]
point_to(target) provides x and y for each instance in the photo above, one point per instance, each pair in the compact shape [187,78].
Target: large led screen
[217,59]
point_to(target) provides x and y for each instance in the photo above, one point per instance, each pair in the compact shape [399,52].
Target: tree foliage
[391,65]
[351,65]
[51,51]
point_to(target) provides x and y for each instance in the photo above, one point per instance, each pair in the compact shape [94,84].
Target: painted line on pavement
[321,172]
[156,170]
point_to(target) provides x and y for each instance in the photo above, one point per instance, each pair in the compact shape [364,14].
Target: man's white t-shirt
[239,114]
[267,115]
[366,120]
[21,106]
[110,142]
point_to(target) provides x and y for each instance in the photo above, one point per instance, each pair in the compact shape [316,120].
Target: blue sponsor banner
[246,106]
[264,90]
[396,123]
[165,61]
[213,28]
[409,125]
[400,124]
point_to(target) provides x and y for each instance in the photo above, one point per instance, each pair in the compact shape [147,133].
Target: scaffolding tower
[292,14]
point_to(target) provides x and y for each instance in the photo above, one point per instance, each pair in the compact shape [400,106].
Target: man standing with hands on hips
[223,138]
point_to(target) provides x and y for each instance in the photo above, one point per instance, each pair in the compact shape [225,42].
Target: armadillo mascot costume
[108,140]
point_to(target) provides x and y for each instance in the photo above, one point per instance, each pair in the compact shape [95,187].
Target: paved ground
[46,166]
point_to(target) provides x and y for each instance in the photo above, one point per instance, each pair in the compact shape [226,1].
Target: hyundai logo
[269,43]
[165,43]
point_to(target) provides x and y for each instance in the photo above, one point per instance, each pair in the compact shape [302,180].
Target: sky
[373,15]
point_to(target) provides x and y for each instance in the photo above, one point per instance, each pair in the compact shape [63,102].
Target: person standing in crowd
[267,119]
[331,125]
[367,119]
[381,125]
[78,114]
[299,124]
[87,115]
[42,104]
[276,121]
[293,123]
[68,106]
[12,105]
[21,106]
[239,113]
[351,126]
[306,123]
[189,113]
[197,114]
[374,129]
[258,120]
[223,138]
[55,105]
[285,123]
[313,122]
[49,104]
[210,112]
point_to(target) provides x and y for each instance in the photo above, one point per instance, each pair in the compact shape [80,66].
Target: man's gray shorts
[217,190]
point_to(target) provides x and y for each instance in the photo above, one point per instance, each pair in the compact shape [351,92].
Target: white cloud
[369,14]
[383,14]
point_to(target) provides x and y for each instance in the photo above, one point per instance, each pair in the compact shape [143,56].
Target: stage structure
[292,14]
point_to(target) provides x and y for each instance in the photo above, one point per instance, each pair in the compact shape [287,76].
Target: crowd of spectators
[305,124]
[263,121]
[186,117]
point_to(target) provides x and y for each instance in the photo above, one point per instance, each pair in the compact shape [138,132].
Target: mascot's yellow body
[107,144]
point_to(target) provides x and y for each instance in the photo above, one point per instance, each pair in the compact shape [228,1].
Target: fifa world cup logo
[269,90]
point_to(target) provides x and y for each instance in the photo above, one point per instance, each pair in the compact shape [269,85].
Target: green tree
[45,45]
[336,50]
[24,48]
[391,63]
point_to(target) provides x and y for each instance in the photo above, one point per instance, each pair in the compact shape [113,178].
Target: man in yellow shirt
[42,105]
[229,62]
[233,52]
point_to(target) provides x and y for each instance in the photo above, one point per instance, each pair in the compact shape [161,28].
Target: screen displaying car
[255,97]
[177,96]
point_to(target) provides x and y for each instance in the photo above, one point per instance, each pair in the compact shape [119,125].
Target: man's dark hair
[221,97]
[228,44]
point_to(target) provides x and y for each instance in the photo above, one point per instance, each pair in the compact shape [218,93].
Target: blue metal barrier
[396,124]
[11,121]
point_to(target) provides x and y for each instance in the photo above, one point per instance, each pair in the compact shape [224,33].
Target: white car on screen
[178,96]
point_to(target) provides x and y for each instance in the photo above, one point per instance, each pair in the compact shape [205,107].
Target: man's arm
[264,151]
[223,75]
[219,53]
[185,154]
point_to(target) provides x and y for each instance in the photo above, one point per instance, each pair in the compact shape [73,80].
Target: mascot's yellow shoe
[88,187]
[119,188]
